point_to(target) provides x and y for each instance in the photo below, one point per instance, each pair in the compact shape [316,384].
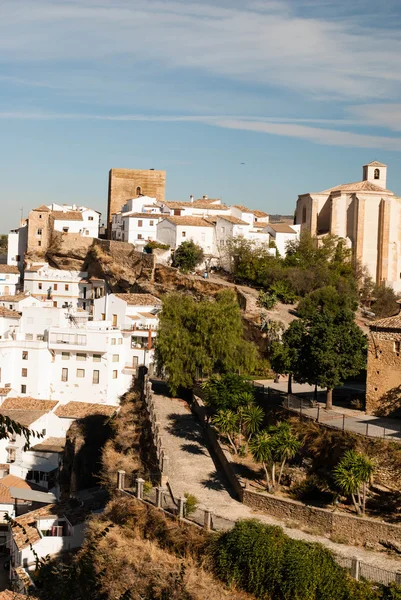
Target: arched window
[377,174]
[304,214]
[138,191]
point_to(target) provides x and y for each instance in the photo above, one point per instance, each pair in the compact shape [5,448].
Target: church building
[366,214]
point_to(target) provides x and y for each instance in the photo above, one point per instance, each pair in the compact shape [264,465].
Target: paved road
[191,469]
[339,417]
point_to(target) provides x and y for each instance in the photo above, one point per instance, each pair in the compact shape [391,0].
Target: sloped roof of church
[387,323]
[374,163]
[358,186]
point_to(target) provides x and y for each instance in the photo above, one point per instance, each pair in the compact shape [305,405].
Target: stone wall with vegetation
[347,528]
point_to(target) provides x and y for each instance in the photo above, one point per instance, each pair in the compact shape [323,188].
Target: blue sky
[303,92]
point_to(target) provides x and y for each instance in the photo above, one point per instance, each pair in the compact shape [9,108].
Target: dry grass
[130,448]
[124,560]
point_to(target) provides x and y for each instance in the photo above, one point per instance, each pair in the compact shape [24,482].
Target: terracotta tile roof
[29,520]
[9,595]
[374,163]
[14,298]
[42,208]
[143,215]
[139,299]
[23,417]
[9,269]
[70,215]
[79,410]
[358,186]
[260,213]
[387,323]
[51,444]
[8,482]
[28,403]
[212,219]
[33,268]
[189,221]
[207,200]
[233,220]
[7,312]
[197,204]
[281,227]
[4,391]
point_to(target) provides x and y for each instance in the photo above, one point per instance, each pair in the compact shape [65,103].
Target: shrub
[187,256]
[284,292]
[153,245]
[191,504]
[267,300]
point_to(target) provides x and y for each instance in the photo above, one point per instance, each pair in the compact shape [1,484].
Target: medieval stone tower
[129,183]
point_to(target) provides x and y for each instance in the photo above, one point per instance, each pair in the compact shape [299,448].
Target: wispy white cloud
[261,43]
[379,115]
[267,125]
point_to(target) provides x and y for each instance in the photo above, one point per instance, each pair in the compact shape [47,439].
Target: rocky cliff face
[126,270]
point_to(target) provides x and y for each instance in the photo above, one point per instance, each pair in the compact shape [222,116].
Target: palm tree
[252,419]
[226,422]
[244,399]
[353,471]
[286,447]
[261,449]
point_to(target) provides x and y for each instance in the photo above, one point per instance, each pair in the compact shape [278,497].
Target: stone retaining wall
[156,431]
[350,529]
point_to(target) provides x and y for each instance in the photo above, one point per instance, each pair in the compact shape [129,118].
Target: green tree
[332,349]
[285,445]
[200,338]
[352,475]
[385,301]
[284,354]
[187,256]
[252,419]
[327,300]
[226,422]
[227,391]
[261,447]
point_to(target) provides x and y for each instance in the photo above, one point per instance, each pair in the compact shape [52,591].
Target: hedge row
[263,561]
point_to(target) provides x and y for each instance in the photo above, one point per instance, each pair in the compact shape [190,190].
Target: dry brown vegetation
[130,447]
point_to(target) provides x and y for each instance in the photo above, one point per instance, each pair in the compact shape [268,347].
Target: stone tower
[376,173]
[129,183]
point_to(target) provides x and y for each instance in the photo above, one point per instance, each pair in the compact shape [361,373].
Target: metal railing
[163,499]
[373,427]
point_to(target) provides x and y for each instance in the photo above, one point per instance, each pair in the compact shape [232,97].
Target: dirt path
[191,469]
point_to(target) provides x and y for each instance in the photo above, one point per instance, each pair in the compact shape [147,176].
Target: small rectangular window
[116,357]
[151,223]
[39,286]
[120,341]
[25,355]
[183,234]
[103,317]
[23,389]
[140,223]
[81,356]
[65,356]
[39,243]
[39,232]
[113,341]
[80,373]
[64,374]
[139,237]
[95,378]
[115,320]
[66,287]
[90,218]
[97,357]
[55,287]
[24,372]
[115,374]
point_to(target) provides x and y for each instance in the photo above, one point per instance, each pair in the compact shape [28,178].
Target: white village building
[9,280]
[281,234]
[63,288]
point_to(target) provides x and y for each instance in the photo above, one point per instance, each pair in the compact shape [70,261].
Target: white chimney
[205,197]
[191,198]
